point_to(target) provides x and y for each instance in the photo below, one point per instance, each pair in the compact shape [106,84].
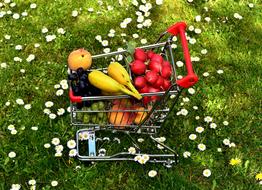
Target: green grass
[234,96]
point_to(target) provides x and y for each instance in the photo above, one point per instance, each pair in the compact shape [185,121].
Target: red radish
[138,67]
[166,84]
[140,82]
[153,90]
[140,54]
[157,58]
[146,100]
[166,72]
[166,64]
[150,54]
[159,83]
[151,77]
[144,90]
[155,66]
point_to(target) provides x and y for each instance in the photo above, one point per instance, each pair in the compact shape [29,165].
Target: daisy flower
[32,182]
[16,16]
[225,123]
[47,111]
[34,128]
[11,127]
[219,149]
[220,71]
[30,58]
[49,104]
[71,144]
[197,117]
[13,131]
[232,145]
[238,16]
[55,141]
[213,125]
[3,65]
[159,2]
[60,111]
[59,148]
[195,107]
[134,2]
[192,136]
[191,28]
[74,13]
[15,187]
[132,150]
[50,38]
[200,129]
[18,47]
[72,152]
[152,173]
[54,183]
[198,30]
[160,147]
[47,145]
[206,172]
[90,9]
[184,111]
[17,59]
[104,43]
[36,45]
[33,5]
[58,154]
[123,25]
[204,51]
[11,154]
[201,147]
[186,154]
[24,14]
[250,5]
[20,101]
[235,161]
[207,19]
[140,140]
[44,30]
[208,119]
[28,106]
[106,50]
[226,142]
[198,18]
[60,31]
[179,64]
[7,103]
[59,92]
[98,38]
[143,41]
[52,116]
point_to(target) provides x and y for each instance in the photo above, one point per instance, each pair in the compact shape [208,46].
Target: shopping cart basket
[153,115]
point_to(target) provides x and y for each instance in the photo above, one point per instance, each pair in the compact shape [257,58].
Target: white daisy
[10,127]
[44,30]
[200,129]
[58,154]
[220,71]
[208,119]
[30,58]
[72,152]
[7,103]
[123,25]
[47,111]
[184,111]
[55,141]
[34,128]
[59,92]
[201,147]
[52,116]
[198,18]
[11,154]
[191,28]
[192,136]
[192,40]
[225,123]
[20,101]
[137,158]
[179,64]
[16,16]
[104,43]
[59,148]
[50,38]
[207,19]
[17,59]
[32,5]
[60,31]
[213,125]
[238,16]
[22,70]
[3,65]
[28,106]
[31,182]
[143,41]
[12,4]
[152,173]
[190,1]
[198,30]
[15,187]
[139,26]
[54,183]
[14,132]
[65,86]
[219,149]
[206,172]
[71,144]
[159,2]
[186,99]
[90,9]
[106,50]
[24,14]
[147,14]
[204,51]
[132,150]
[232,145]
[36,45]
[85,135]
[186,154]
[226,142]
[47,145]
[197,117]
[134,2]
[160,147]
[140,18]
[140,140]
[174,46]
[250,5]
[98,38]
[49,104]
[195,107]
[74,13]
[60,111]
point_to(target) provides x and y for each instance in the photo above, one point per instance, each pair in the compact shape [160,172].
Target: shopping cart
[153,115]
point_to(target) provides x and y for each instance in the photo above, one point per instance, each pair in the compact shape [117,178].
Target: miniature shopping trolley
[91,121]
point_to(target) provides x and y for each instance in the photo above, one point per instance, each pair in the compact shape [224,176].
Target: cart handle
[191,78]
[77,99]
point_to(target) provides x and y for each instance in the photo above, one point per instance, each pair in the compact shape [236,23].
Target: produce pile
[150,73]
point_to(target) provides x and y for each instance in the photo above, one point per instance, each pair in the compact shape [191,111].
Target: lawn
[222,111]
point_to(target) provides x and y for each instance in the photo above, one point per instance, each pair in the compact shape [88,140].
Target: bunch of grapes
[81,86]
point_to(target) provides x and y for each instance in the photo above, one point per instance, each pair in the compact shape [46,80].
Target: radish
[140,54]
[146,100]
[150,54]
[157,58]
[140,82]
[151,77]
[159,83]
[144,90]
[155,66]
[166,64]
[166,72]
[166,84]
[153,90]
[138,67]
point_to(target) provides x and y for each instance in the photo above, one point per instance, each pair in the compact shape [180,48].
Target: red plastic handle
[73,98]
[191,78]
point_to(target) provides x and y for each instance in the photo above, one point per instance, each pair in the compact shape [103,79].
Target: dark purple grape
[72,76]
[83,77]
[87,103]
[80,71]
[79,105]
[76,91]
[82,85]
